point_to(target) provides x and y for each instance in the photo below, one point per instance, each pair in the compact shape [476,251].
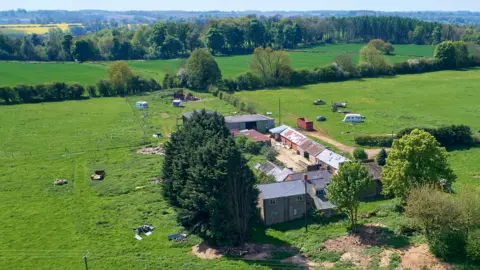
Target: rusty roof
[254,135]
[294,136]
[313,148]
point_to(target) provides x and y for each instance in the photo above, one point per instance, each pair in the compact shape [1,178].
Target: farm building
[141,105]
[270,168]
[258,122]
[292,138]
[330,160]
[275,132]
[281,201]
[187,115]
[375,171]
[310,149]
[311,175]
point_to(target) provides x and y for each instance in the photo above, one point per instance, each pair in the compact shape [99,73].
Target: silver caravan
[353,118]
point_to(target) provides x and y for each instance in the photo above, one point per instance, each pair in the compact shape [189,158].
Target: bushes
[380,141]
[58,91]
[448,136]
[359,154]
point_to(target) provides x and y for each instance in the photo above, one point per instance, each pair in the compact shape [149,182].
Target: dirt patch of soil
[476,177]
[415,258]
[385,258]
[164,115]
[203,251]
[158,150]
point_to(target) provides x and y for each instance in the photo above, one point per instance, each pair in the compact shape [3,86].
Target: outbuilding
[330,160]
[141,105]
[292,138]
[257,122]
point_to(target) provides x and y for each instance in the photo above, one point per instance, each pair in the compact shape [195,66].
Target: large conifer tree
[207,179]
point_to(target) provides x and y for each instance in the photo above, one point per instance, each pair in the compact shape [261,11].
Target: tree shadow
[381,236]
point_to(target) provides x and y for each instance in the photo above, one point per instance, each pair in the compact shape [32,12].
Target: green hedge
[370,140]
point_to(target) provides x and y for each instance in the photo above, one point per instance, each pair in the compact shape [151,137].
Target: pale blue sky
[228,5]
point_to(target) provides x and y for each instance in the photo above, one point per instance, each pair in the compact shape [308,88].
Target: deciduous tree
[119,73]
[416,160]
[346,187]
[268,64]
[202,70]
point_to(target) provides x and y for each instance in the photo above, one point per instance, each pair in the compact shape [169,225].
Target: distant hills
[22,16]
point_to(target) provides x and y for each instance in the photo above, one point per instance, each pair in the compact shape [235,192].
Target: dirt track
[344,148]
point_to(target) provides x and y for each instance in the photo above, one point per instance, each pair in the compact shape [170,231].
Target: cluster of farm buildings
[285,199]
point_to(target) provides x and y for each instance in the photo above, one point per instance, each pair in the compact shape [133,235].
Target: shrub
[271,154]
[380,159]
[448,136]
[380,141]
[473,246]
[366,70]
[248,81]
[252,147]
[360,154]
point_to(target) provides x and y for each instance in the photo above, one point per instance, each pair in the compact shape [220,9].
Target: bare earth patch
[415,258]
[203,251]
[164,115]
[385,257]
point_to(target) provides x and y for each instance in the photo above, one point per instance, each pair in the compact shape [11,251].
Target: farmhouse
[330,160]
[257,122]
[281,201]
[284,201]
[292,138]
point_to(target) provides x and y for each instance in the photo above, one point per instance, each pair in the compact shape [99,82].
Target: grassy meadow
[13,73]
[400,49]
[389,103]
[50,227]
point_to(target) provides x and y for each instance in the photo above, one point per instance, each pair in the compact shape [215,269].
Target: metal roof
[293,136]
[374,170]
[271,169]
[331,158]
[312,175]
[312,147]
[321,203]
[278,130]
[281,189]
[246,118]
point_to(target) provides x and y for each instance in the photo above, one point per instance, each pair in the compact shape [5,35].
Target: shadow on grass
[381,236]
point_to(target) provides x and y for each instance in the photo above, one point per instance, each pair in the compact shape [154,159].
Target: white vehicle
[353,118]
[141,105]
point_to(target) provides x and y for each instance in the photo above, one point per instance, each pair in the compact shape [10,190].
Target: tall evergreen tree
[208,180]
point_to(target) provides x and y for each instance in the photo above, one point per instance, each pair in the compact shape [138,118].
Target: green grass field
[389,104]
[13,73]
[52,227]
[400,49]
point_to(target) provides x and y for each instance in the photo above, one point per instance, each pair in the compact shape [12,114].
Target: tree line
[271,68]
[227,36]
[120,81]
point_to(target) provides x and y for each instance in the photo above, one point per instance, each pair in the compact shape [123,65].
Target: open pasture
[13,73]
[51,227]
[389,103]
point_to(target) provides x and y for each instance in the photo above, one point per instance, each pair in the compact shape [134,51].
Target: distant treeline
[59,91]
[143,16]
[227,36]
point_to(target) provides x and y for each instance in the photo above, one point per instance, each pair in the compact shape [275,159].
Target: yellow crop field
[39,29]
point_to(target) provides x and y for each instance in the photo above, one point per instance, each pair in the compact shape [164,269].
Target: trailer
[305,124]
[141,105]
